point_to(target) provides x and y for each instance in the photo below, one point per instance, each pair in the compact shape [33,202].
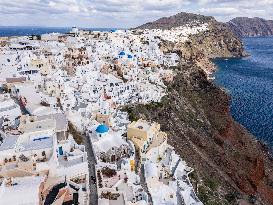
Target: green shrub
[212,184]
[232,197]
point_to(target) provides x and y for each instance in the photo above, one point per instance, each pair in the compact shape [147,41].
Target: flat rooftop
[29,92]
[41,125]
[161,137]
[39,142]
[25,190]
[9,142]
[142,125]
[60,118]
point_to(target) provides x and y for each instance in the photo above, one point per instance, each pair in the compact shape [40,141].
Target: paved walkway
[91,165]
[144,184]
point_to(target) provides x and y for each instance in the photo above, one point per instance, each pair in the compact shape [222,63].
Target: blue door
[61,152]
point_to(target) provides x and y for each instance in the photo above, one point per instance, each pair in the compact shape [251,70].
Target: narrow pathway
[176,165]
[144,184]
[93,197]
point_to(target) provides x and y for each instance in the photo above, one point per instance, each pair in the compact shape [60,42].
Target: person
[93,179]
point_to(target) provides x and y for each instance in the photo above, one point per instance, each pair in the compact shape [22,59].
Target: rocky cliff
[180,19]
[231,167]
[217,41]
[247,27]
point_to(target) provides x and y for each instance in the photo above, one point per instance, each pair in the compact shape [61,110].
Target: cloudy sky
[121,13]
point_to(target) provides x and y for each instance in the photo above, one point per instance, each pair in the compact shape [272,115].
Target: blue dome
[102,129]
[130,56]
[122,53]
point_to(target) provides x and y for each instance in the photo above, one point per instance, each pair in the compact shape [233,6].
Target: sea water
[249,81]
[28,30]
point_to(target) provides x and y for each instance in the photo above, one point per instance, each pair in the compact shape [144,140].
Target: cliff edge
[251,27]
[231,166]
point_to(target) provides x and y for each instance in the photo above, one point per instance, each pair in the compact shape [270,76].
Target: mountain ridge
[251,27]
[180,19]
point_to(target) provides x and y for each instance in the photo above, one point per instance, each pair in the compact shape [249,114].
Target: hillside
[231,167]
[247,27]
[180,19]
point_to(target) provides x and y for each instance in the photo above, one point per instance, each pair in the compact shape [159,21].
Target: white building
[9,110]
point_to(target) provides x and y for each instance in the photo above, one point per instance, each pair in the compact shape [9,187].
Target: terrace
[69,161]
[159,140]
[38,143]
[108,178]
[112,198]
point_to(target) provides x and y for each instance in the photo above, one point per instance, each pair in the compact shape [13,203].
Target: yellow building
[147,138]
[143,130]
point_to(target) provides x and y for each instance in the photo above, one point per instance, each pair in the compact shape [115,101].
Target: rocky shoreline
[231,166]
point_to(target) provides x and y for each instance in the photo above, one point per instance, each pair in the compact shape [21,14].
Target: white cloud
[121,13]
[218,11]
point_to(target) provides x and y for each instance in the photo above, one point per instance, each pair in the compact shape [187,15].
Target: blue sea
[26,30]
[249,80]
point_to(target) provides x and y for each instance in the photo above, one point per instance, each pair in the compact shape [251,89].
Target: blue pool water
[250,82]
